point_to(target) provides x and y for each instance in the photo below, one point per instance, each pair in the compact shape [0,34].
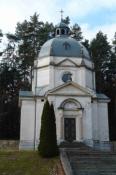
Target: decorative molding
[69,95]
[82,63]
[52,63]
[31,98]
[54,90]
[70,101]
[75,65]
[67,59]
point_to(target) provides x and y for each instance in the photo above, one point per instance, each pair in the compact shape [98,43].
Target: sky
[91,15]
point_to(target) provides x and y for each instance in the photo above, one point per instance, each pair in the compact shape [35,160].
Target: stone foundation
[102,145]
[28,145]
[9,144]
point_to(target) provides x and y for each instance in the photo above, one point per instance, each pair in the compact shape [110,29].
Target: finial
[61,11]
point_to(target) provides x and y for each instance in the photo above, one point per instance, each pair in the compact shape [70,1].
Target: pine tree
[86,44]
[17,59]
[53,131]
[32,35]
[104,58]
[110,89]
[48,145]
[66,20]
[101,55]
[76,32]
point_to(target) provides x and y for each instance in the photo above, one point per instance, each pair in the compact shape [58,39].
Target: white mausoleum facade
[64,74]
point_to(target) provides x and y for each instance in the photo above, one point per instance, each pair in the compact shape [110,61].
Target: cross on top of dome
[61,11]
[62,29]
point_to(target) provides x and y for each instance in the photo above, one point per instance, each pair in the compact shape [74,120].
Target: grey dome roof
[63,46]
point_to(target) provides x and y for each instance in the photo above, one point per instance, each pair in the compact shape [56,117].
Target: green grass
[25,163]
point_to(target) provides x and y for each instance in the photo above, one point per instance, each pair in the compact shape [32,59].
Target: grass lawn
[26,163]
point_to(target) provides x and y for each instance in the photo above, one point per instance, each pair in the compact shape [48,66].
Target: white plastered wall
[27,124]
[95,126]
[89,79]
[31,112]
[34,80]
[43,77]
[103,127]
[78,76]
[52,75]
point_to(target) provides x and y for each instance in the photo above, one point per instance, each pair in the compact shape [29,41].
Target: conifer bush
[48,143]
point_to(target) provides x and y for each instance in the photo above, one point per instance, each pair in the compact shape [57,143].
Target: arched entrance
[72,120]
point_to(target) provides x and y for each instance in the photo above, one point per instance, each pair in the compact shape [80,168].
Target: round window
[67,77]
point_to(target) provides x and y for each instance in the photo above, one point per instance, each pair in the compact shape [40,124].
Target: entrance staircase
[87,161]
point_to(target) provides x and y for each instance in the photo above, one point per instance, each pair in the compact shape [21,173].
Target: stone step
[89,152]
[91,155]
[86,161]
[72,145]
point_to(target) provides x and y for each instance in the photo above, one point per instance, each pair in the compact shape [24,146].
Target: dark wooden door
[69,129]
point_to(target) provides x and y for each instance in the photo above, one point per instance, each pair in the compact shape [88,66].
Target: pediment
[67,62]
[70,88]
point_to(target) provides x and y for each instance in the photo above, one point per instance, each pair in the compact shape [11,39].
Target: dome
[63,46]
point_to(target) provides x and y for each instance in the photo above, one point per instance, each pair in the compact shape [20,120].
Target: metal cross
[61,11]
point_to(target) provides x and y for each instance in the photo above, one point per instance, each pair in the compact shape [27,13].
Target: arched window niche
[58,32]
[63,32]
[71,104]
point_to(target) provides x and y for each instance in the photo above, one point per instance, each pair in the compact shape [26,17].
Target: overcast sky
[91,15]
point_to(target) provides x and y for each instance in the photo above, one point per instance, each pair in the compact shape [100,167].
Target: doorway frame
[79,126]
[68,117]
[76,112]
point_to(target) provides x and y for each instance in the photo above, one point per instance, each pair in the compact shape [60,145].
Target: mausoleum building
[64,74]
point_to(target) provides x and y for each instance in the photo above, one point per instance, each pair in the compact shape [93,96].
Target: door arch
[72,120]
